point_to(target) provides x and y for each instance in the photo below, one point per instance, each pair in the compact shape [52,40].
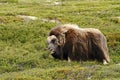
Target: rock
[27,18]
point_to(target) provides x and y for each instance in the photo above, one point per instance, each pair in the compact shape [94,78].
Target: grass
[23,54]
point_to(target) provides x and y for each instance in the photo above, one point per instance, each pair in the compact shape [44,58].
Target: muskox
[69,42]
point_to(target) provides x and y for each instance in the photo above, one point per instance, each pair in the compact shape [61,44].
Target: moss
[23,54]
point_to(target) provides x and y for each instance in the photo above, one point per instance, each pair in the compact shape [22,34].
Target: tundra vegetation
[24,27]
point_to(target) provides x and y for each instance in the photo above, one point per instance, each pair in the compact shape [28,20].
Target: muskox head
[57,40]
[52,43]
[55,45]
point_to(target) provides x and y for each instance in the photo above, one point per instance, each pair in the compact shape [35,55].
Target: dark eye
[53,41]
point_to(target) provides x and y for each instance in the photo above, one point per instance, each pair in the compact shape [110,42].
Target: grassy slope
[22,44]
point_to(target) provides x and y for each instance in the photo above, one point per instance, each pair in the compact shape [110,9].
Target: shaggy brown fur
[79,44]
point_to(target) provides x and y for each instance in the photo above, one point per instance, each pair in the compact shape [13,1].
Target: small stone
[118,64]
[116,19]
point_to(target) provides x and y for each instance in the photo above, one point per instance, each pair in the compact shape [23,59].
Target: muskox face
[52,44]
[55,46]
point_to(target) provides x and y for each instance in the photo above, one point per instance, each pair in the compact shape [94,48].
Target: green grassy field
[23,54]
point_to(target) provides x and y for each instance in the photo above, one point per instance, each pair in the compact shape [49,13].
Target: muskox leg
[71,51]
[101,53]
[69,60]
[100,48]
[105,56]
[70,56]
[61,53]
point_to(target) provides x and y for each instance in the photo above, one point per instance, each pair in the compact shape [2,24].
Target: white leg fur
[104,62]
[69,60]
